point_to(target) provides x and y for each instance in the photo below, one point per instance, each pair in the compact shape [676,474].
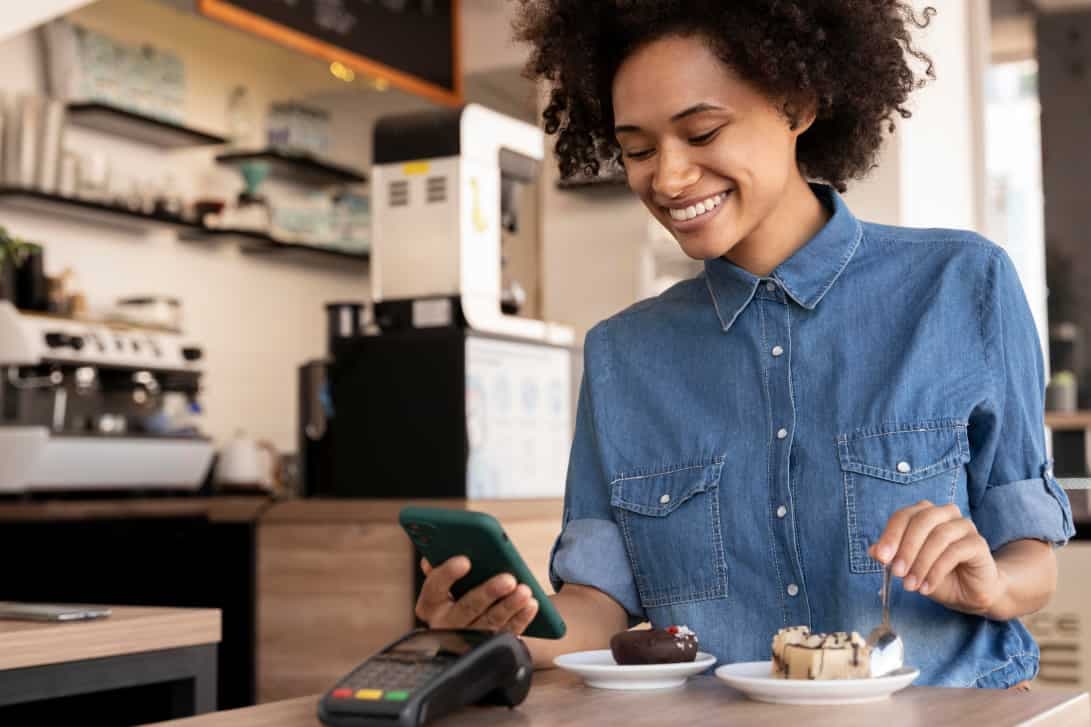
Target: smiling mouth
[699,209]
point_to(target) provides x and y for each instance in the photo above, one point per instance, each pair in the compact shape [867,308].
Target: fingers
[475,603]
[906,532]
[435,593]
[425,566]
[965,549]
[936,544]
[521,620]
[886,547]
[920,526]
[500,614]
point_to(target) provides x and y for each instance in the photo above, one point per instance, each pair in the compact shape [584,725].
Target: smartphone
[49,612]
[441,533]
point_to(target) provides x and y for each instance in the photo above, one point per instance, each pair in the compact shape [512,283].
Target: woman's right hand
[498,604]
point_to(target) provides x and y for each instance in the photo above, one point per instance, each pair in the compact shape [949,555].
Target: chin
[698,248]
[703,243]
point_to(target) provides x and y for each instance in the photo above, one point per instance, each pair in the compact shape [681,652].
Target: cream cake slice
[800,654]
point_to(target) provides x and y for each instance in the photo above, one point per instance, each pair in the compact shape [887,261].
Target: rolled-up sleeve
[1013,493]
[590,550]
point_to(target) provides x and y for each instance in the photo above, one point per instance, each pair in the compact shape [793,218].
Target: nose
[675,172]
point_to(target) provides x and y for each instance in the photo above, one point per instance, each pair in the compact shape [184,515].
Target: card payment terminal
[428,673]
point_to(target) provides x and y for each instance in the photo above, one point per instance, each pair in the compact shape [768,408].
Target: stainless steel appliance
[442,393]
[95,406]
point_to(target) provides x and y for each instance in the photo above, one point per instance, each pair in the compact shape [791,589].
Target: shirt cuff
[1035,509]
[591,553]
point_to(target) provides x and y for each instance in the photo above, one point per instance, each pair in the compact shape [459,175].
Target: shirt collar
[805,276]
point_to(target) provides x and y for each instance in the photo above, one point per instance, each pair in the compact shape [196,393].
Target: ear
[805,114]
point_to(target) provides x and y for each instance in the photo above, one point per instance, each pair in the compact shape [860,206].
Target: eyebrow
[695,109]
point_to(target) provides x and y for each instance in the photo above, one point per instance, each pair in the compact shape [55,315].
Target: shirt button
[782,511]
[664,499]
[904,467]
[771,286]
[778,350]
[782,433]
[793,589]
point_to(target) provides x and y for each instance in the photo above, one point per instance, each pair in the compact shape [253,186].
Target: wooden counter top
[221,509]
[1057,420]
[128,630]
[333,510]
[246,508]
[561,698]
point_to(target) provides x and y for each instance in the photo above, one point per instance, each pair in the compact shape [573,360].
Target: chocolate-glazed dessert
[800,654]
[654,646]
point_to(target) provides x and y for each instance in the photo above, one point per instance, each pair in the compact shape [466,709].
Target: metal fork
[887,649]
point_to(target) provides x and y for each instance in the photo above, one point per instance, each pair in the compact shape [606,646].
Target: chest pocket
[670,521]
[889,467]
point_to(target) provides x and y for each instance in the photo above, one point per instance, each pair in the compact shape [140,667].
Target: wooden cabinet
[336,580]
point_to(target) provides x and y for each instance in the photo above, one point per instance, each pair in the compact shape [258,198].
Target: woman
[829,396]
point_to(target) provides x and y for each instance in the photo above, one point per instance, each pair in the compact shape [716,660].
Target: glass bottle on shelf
[252,209]
[240,117]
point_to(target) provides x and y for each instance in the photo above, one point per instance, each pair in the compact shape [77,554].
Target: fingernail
[532,605]
[926,588]
[884,552]
[899,568]
[910,583]
[502,587]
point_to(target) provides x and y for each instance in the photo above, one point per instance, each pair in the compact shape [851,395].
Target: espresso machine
[436,389]
[97,406]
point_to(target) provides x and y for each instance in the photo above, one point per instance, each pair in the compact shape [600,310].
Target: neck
[798,217]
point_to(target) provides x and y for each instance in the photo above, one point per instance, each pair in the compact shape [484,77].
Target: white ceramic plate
[755,680]
[599,669]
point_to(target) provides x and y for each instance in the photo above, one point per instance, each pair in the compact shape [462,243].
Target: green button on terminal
[396,696]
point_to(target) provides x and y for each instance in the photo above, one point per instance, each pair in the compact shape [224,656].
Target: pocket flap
[905,453]
[659,493]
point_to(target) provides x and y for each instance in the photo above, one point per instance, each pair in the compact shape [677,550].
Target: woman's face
[708,154]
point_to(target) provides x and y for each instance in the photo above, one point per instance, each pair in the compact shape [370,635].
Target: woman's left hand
[938,552]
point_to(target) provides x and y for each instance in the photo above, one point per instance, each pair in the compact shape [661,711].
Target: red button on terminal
[341,694]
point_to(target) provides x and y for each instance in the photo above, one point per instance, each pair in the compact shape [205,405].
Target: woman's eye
[639,154]
[706,137]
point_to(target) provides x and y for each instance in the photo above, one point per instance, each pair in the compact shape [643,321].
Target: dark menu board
[410,43]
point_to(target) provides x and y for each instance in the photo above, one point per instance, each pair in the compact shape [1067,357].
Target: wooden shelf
[260,243]
[137,127]
[612,182]
[301,168]
[611,177]
[84,210]
[99,213]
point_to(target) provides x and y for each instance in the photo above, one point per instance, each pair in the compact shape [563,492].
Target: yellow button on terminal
[369,693]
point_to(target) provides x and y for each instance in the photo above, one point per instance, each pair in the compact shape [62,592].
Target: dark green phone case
[441,533]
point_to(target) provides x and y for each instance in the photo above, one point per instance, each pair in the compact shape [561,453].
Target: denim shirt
[740,441]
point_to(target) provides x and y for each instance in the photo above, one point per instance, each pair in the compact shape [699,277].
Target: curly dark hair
[844,58]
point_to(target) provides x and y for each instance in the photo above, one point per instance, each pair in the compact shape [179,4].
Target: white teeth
[705,205]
